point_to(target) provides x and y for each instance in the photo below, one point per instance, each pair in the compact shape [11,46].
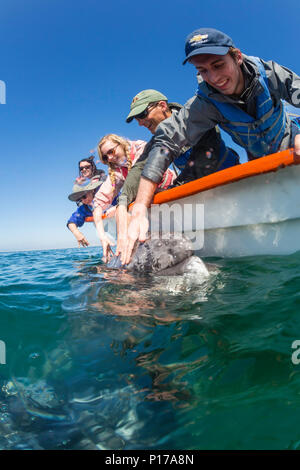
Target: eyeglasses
[110,152]
[145,113]
[84,197]
[87,167]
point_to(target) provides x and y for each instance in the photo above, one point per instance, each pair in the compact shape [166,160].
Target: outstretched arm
[82,241]
[131,184]
[105,241]
[128,194]
[139,224]
[122,219]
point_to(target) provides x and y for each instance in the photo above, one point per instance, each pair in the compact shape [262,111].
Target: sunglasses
[110,152]
[84,197]
[145,113]
[82,168]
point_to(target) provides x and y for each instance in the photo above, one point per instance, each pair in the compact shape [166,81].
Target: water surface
[106,360]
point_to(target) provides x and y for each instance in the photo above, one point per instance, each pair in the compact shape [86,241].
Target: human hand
[137,230]
[106,247]
[121,248]
[110,212]
[82,241]
[122,218]
[297,147]
[80,180]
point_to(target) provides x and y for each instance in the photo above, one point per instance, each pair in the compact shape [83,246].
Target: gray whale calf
[166,255]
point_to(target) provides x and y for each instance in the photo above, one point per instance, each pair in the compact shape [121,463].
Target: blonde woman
[120,155]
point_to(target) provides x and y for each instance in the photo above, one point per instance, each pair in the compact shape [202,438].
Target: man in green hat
[210,154]
[151,107]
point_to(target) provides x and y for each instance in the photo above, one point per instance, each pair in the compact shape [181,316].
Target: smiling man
[242,94]
[149,108]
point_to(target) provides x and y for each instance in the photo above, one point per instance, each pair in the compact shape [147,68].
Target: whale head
[167,254]
[160,252]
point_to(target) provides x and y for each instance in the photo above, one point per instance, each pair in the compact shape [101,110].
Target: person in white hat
[85,195]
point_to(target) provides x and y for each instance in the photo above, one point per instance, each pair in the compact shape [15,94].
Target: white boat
[250,209]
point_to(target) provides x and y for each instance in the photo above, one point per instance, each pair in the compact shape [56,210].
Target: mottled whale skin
[167,255]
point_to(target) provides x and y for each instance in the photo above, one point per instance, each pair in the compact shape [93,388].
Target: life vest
[210,153]
[261,135]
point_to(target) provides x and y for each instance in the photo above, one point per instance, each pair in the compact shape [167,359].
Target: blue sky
[71,69]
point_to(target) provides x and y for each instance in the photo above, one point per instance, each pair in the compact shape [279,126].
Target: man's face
[222,72]
[157,113]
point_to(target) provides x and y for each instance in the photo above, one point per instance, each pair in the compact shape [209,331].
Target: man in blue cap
[242,94]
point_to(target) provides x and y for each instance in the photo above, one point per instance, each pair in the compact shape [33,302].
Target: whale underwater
[60,409]
[169,254]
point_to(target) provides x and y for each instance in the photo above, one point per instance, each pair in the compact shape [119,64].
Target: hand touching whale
[166,255]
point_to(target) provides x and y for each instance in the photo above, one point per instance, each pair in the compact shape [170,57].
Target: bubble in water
[34,355]
[9,388]
[4,417]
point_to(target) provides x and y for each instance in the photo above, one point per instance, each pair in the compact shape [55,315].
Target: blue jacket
[83,211]
[78,217]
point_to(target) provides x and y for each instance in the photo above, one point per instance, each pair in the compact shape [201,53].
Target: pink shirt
[107,192]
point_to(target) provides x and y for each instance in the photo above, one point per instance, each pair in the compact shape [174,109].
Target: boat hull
[256,215]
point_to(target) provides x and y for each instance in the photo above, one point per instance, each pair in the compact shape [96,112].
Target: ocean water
[99,359]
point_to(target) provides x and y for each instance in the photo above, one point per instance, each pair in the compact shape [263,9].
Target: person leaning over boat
[121,156]
[83,194]
[210,154]
[242,94]
[89,171]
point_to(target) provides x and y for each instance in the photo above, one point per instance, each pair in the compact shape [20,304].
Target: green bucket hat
[142,100]
[80,190]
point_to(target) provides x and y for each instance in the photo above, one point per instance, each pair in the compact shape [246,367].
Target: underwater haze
[99,359]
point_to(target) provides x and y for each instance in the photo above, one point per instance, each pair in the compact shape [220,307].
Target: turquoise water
[101,359]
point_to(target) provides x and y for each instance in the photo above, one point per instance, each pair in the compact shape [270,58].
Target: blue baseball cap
[207,41]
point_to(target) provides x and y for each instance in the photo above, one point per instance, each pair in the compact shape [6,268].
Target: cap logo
[198,38]
[134,100]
